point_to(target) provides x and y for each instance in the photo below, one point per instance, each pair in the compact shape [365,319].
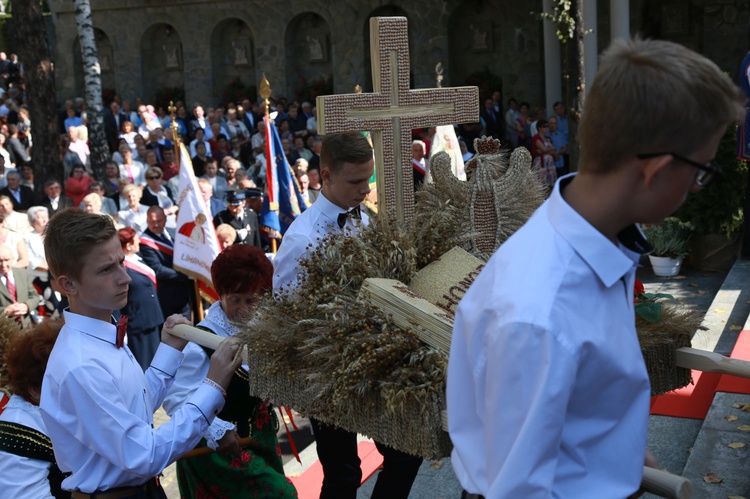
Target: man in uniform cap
[239,216]
[254,199]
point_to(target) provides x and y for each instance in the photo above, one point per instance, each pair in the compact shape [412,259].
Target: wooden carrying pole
[655,481]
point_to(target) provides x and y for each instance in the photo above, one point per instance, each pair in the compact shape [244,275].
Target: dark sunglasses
[153,178]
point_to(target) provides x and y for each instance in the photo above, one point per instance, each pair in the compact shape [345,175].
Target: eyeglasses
[153,178]
[706,174]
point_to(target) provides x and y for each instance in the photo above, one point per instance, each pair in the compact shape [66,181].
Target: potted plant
[671,242]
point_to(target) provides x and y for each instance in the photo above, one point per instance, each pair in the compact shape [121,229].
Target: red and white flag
[195,242]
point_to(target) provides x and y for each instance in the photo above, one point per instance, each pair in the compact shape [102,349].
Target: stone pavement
[670,438]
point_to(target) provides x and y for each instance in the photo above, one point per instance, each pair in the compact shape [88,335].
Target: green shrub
[717,208]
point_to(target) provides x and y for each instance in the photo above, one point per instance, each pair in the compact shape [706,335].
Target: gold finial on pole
[357,89]
[265,91]
[175,131]
[439,74]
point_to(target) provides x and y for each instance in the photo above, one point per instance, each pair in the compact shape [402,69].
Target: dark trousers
[151,490]
[337,451]
[466,495]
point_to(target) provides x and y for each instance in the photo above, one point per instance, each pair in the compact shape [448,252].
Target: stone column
[590,49]
[552,65]
[619,18]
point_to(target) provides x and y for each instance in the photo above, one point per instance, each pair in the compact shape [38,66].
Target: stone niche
[161,60]
[232,47]
[307,51]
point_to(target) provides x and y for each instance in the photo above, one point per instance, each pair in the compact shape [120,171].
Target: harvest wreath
[329,352]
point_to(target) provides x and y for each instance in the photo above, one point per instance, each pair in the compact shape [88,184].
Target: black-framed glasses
[153,178]
[707,172]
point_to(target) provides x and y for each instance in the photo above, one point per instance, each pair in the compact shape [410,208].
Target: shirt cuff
[167,359]
[208,400]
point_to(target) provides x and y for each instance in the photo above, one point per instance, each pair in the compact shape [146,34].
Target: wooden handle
[202,451]
[711,362]
[202,338]
[666,484]
[199,336]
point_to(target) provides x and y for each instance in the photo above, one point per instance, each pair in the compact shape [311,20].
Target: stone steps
[694,448]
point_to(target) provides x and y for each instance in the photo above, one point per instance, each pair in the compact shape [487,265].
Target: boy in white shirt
[548,394]
[96,402]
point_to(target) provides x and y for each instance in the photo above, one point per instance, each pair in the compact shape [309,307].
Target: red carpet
[693,401]
[308,484]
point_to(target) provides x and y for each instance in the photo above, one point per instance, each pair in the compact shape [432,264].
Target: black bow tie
[355,213]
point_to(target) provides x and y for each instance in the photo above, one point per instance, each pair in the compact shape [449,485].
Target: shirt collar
[105,331]
[609,262]
[327,208]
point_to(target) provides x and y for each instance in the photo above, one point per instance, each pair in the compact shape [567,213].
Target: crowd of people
[519,355]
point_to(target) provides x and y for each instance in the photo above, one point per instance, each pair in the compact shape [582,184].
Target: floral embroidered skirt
[257,472]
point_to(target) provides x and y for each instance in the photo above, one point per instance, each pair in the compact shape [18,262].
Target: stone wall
[217,41]
[277,34]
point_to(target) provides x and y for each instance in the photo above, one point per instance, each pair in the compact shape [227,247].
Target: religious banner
[284,200]
[445,140]
[195,242]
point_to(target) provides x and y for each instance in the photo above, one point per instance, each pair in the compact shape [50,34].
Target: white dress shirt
[21,476]
[36,253]
[137,171]
[313,224]
[98,406]
[548,394]
[134,219]
[194,142]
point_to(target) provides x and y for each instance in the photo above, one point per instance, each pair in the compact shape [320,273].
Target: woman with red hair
[26,457]
[241,274]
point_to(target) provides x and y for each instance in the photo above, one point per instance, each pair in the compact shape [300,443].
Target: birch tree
[567,15]
[92,76]
[34,54]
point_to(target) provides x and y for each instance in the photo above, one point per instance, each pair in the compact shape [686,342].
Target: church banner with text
[195,242]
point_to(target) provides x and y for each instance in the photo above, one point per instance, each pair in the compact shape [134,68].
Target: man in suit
[52,199]
[113,120]
[18,298]
[493,122]
[157,251]
[214,205]
[201,122]
[21,196]
[243,219]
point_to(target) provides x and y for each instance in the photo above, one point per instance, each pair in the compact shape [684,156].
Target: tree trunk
[93,81]
[578,80]
[33,52]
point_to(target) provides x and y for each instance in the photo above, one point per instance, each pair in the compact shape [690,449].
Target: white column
[619,18]
[552,64]
[590,49]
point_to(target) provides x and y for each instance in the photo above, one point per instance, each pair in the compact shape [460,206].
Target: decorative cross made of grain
[392,111]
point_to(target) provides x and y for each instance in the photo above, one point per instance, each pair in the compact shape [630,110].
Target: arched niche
[478,43]
[384,11]
[161,61]
[232,50]
[308,53]
[106,63]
